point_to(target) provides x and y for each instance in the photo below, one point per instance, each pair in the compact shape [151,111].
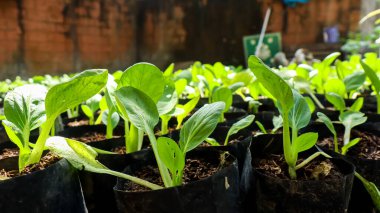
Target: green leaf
[180,86]
[168,100]
[144,77]
[169,70]
[109,94]
[87,111]
[200,126]
[83,157]
[212,142]
[326,120]
[241,124]
[24,107]
[115,118]
[330,58]
[357,105]
[336,86]
[245,77]
[372,76]
[141,109]
[352,143]
[73,92]
[336,100]
[223,94]
[272,82]
[171,155]
[187,108]
[277,123]
[354,81]
[261,127]
[299,115]
[12,133]
[351,119]
[235,86]
[372,190]
[305,142]
[310,103]
[93,102]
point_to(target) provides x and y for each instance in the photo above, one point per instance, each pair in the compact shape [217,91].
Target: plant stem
[346,136]
[91,120]
[109,131]
[133,179]
[336,148]
[316,100]
[133,138]
[140,139]
[288,152]
[164,124]
[163,170]
[126,133]
[307,160]
[36,154]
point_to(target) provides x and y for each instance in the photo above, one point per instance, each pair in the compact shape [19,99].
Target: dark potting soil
[195,169]
[9,152]
[89,137]
[77,123]
[45,162]
[367,148]
[318,169]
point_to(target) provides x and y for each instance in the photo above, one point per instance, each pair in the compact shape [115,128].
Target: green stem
[305,162]
[316,100]
[36,154]
[288,152]
[163,169]
[164,124]
[140,139]
[133,138]
[221,118]
[336,148]
[91,120]
[134,179]
[109,130]
[346,136]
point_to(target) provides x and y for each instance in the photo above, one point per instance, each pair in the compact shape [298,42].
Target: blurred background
[60,36]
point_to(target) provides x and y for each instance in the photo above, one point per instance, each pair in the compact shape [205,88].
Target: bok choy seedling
[142,112]
[144,77]
[350,120]
[375,82]
[294,111]
[25,110]
[90,107]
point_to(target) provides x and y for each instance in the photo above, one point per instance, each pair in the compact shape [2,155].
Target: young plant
[143,113]
[236,127]
[187,108]
[110,117]
[375,82]
[25,109]
[144,77]
[90,107]
[349,120]
[295,113]
[222,94]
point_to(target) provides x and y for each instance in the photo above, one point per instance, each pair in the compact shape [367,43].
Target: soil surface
[45,162]
[89,137]
[317,169]
[195,169]
[7,153]
[367,148]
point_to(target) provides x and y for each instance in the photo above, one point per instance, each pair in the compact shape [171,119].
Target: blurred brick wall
[56,36]
[304,23]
